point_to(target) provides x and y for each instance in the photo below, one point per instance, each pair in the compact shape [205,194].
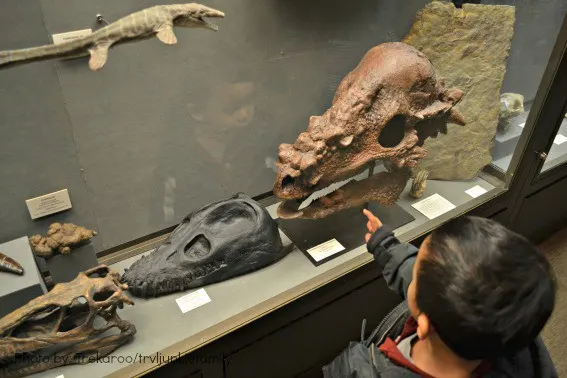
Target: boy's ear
[195,112]
[424,327]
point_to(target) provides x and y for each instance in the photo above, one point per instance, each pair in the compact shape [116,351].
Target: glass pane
[558,152]
[163,130]
[536,31]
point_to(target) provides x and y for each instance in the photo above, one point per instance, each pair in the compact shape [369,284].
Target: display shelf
[505,142]
[505,145]
[558,151]
[163,330]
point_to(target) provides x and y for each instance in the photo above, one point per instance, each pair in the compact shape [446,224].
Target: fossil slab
[469,48]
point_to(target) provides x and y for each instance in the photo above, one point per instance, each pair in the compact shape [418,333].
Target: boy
[476,298]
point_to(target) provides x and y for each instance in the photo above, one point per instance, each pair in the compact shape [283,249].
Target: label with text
[559,139]
[433,206]
[476,191]
[328,248]
[70,36]
[193,300]
[49,204]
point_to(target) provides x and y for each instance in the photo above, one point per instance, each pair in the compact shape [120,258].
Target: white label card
[70,36]
[476,191]
[60,376]
[193,300]
[560,139]
[522,124]
[433,206]
[49,204]
[328,248]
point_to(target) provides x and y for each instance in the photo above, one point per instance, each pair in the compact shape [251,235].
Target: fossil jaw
[384,187]
[155,286]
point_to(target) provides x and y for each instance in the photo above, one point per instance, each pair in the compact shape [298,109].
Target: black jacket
[364,360]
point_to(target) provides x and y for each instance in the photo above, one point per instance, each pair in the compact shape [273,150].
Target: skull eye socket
[393,133]
[287,182]
[197,248]
[102,296]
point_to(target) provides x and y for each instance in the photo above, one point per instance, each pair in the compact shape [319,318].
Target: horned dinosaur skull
[68,325]
[383,110]
[222,240]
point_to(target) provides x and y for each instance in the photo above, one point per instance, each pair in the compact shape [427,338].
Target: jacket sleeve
[395,259]
[543,365]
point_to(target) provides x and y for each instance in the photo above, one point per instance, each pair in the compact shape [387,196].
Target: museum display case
[213,171]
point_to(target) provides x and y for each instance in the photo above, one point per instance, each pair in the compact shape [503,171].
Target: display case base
[346,227]
[65,268]
[15,290]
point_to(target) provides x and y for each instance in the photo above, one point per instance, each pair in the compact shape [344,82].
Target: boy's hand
[372,225]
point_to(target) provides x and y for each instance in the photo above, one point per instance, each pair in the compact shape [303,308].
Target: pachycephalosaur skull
[68,325]
[222,240]
[382,110]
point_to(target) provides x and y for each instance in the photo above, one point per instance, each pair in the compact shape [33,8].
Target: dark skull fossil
[222,240]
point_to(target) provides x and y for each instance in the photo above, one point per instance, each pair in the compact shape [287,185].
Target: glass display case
[311,111]
[556,155]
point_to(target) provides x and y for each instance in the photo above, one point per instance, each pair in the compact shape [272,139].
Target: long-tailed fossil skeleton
[159,21]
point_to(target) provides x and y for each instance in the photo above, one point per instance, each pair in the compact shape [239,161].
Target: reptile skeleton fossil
[159,21]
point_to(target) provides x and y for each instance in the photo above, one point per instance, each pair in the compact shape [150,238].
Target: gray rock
[511,105]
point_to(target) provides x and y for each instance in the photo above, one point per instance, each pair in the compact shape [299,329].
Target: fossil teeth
[289,209]
[456,117]
[346,141]
[7,264]
[324,192]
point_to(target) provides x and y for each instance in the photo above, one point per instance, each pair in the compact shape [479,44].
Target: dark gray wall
[37,151]
[162,130]
[537,26]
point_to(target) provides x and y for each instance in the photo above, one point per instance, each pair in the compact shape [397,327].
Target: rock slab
[469,48]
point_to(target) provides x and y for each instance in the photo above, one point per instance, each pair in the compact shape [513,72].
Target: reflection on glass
[535,34]
[197,162]
[558,152]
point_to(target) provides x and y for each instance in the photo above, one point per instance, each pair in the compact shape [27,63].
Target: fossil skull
[75,323]
[222,240]
[382,110]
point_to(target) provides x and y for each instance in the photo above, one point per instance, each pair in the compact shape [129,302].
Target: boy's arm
[395,259]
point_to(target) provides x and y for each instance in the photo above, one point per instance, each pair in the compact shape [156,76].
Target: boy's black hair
[487,291]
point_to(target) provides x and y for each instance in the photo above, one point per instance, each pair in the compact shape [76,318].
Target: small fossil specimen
[419,184]
[60,238]
[68,325]
[10,265]
[511,105]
